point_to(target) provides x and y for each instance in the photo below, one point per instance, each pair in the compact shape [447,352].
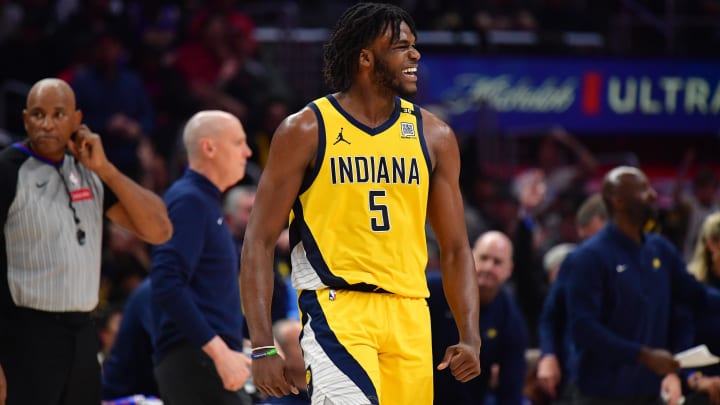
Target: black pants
[187,376]
[51,359]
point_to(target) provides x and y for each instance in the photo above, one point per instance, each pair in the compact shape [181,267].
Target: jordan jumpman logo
[340,138]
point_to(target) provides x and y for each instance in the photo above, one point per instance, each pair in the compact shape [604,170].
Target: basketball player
[359,171]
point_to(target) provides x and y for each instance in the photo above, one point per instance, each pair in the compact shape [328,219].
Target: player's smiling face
[396,62]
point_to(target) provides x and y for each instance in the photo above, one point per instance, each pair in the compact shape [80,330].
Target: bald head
[629,198]
[493,263]
[496,239]
[206,125]
[50,117]
[217,147]
[614,180]
[58,87]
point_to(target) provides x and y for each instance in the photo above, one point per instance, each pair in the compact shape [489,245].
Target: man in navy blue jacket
[195,275]
[128,370]
[502,328]
[621,288]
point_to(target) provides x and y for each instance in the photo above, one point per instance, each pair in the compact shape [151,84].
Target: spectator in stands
[555,344]
[218,62]
[205,61]
[554,257]
[705,266]
[113,98]
[528,280]
[501,326]
[621,289]
[561,172]
[29,51]
[11,16]
[237,206]
[154,24]
[107,323]
[170,97]
[591,217]
[272,114]
[80,24]
[695,207]
[491,15]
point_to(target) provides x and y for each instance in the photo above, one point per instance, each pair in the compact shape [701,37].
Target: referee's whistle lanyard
[80,234]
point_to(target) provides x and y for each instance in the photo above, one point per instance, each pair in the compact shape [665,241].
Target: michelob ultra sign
[582,95]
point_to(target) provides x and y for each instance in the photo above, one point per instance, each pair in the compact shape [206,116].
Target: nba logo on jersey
[407,130]
[332,295]
[74,180]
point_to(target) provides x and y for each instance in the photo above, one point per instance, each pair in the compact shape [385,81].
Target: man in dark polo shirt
[195,291]
[623,284]
[51,213]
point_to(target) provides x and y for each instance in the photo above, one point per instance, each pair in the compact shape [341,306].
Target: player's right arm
[445,212]
[292,153]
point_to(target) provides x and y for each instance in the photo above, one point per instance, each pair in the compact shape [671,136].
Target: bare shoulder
[295,142]
[439,136]
[300,124]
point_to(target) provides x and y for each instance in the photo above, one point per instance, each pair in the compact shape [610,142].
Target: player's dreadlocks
[357,27]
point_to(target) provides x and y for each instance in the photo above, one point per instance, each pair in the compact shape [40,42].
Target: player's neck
[367,105]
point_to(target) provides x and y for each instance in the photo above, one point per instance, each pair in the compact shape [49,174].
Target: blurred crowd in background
[140,69]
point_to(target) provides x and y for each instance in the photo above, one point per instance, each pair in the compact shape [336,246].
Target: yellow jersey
[359,220]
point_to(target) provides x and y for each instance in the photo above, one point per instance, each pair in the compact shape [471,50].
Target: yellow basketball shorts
[365,348]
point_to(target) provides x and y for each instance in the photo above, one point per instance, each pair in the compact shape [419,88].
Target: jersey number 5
[381,221]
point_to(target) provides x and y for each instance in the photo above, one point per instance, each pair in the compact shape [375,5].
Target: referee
[51,213]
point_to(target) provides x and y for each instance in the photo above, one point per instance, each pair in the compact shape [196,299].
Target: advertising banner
[583,95]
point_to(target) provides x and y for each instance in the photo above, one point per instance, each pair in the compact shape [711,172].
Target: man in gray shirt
[51,213]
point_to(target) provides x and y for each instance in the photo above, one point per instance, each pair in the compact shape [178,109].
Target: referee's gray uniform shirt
[42,263]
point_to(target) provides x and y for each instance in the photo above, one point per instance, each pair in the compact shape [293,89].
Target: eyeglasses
[80,234]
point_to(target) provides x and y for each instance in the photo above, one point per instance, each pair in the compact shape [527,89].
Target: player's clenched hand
[271,376]
[463,360]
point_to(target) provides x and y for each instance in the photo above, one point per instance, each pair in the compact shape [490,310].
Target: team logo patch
[407,130]
[656,263]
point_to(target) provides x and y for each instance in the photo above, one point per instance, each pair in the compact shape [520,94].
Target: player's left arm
[446,215]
